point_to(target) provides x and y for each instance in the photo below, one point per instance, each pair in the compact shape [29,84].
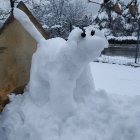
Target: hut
[16,49]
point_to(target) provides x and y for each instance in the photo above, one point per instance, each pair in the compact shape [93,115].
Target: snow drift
[99,117]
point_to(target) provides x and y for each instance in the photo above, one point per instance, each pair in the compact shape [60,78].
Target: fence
[120,54]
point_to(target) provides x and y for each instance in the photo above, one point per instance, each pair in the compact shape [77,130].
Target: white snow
[27,24]
[45,26]
[56,26]
[103,15]
[116,79]
[99,117]
[122,38]
[120,6]
[5,5]
[129,61]
[98,1]
[114,15]
[36,1]
[60,101]
[63,64]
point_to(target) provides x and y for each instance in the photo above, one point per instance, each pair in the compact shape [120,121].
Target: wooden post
[12,5]
[137,47]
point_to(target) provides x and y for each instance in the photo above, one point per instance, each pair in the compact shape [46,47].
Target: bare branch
[94,2]
[3,15]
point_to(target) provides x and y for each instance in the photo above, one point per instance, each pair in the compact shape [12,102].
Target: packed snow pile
[99,117]
[60,102]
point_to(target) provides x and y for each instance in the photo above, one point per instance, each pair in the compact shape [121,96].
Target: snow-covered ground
[103,116]
[116,79]
[129,61]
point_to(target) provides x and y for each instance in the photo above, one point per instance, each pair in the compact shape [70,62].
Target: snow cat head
[90,41]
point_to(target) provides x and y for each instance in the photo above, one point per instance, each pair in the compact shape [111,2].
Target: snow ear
[27,24]
[16,10]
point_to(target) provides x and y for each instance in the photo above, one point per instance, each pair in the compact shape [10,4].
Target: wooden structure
[16,49]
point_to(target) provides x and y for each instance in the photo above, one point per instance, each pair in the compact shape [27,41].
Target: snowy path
[116,79]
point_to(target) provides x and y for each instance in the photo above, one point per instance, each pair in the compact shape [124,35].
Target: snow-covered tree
[61,15]
[76,14]
[117,18]
[57,16]
[4,11]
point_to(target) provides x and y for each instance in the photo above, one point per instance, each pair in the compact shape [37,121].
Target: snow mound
[99,117]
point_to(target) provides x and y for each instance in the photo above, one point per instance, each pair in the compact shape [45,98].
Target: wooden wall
[16,49]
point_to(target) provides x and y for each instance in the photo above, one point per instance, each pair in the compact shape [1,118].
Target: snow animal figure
[60,69]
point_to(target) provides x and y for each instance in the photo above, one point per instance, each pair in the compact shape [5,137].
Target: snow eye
[92,32]
[83,34]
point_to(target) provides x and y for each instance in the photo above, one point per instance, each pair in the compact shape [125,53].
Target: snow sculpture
[60,82]
[60,69]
